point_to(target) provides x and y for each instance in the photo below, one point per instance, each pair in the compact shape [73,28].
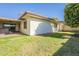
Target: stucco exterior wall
[63,27]
[38,26]
[22,29]
[67,28]
[17,27]
[60,26]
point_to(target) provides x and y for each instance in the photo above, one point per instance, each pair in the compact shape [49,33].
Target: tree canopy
[71,15]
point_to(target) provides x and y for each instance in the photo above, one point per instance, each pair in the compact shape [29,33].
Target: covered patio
[9,25]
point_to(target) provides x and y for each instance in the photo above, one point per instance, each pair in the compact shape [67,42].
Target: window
[25,24]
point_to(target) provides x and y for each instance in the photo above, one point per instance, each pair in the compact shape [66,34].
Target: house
[30,24]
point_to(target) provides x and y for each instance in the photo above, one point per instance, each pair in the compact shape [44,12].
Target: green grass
[45,45]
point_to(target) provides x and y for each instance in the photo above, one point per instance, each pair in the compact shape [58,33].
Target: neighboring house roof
[2,19]
[61,21]
[37,16]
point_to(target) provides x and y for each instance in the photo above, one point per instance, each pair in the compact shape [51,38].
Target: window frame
[25,24]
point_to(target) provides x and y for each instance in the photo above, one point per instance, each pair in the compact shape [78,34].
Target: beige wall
[67,28]
[22,29]
[60,26]
[17,27]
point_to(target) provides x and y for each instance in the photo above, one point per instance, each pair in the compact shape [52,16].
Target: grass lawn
[46,45]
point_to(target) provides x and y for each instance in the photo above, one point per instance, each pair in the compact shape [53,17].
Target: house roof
[38,16]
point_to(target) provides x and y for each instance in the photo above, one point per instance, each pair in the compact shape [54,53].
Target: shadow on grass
[70,48]
[58,35]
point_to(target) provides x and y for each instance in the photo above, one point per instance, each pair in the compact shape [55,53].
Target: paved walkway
[75,35]
[7,35]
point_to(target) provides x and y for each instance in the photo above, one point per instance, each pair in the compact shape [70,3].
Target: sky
[9,10]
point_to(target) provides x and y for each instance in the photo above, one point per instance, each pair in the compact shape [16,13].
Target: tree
[71,15]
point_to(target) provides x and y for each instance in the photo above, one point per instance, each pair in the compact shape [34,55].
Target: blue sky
[45,9]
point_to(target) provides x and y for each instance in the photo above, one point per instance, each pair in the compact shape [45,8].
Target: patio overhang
[6,20]
[9,25]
